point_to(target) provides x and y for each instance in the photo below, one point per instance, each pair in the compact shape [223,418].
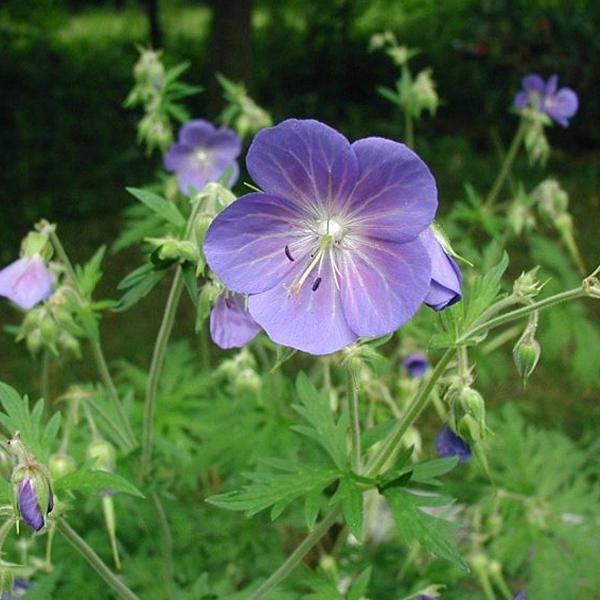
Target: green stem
[95,561]
[5,530]
[96,347]
[506,165]
[167,546]
[45,380]
[297,555]
[392,443]
[158,355]
[409,131]
[352,389]
[519,313]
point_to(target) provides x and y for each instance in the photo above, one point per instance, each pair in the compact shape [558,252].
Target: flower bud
[103,454]
[61,464]
[551,199]
[34,341]
[36,243]
[526,355]
[425,96]
[527,284]
[473,404]
[33,495]
[248,380]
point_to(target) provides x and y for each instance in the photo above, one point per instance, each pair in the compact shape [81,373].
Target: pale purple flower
[330,251]
[231,325]
[449,444]
[416,365]
[26,281]
[559,104]
[202,154]
[520,596]
[446,278]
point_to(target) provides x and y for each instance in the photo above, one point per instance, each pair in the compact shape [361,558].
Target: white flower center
[331,228]
[202,157]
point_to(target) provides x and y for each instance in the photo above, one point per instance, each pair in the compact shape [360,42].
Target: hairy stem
[95,561]
[297,555]
[352,387]
[158,354]
[509,159]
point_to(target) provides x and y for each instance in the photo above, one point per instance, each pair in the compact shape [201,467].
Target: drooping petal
[231,325]
[446,278]
[246,244]
[196,133]
[310,319]
[449,444]
[26,281]
[562,106]
[382,284]
[28,505]
[395,197]
[303,161]
[533,83]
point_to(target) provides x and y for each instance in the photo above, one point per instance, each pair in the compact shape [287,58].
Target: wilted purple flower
[231,325]
[559,105]
[31,507]
[330,251]
[446,278]
[449,444]
[202,154]
[26,281]
[416,365]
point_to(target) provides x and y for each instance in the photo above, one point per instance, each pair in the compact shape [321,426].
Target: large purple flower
[231,325]
[26,281]
[446,278]
[202,154]
[559,105]
[331,250]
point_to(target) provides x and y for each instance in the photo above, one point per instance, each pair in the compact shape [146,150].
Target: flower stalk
[352,388]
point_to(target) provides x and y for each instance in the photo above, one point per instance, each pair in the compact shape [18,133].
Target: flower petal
[395,197]
[383,284]
[562,106]
[303,161]
[26,282]
[311,320]
[224,144]
[231,325]
[177,157]
[196,132]
[533,83]
[246,244]
[28,506]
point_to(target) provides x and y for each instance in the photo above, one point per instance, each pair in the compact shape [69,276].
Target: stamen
[289,254]
[316,284]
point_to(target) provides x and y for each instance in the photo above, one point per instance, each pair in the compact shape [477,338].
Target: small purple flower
[202,154]
[520,596]
[449,444]
[559,105]
[26,281]
[331,250]
[29,504]
[19,590]
[446,278]
[231,325]
[416,365]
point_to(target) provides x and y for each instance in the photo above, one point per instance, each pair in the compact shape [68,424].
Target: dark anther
[289,254]
[316,284]
[228,303]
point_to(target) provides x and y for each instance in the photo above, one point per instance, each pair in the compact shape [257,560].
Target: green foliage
[161,207]
[94,481]
[17,417]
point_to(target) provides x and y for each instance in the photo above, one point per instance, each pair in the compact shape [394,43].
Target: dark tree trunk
[152,10]
[230,45]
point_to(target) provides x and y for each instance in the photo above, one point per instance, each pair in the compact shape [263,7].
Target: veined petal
[383,284]
[305,162]
[231,325]
[246,243]
[310,319]
[395,197]
[26,281]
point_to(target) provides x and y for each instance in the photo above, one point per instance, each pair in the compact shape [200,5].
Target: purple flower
[202,154]
[449,444]
[26,281]
[231,325]
[559,105]
[520,596]
[19,590]
[416,365]
[330,251]
[446,278]
[29,503]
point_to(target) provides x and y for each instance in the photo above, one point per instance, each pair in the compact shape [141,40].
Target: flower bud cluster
[536,142]
[242,112]
[52,326]
[240,372]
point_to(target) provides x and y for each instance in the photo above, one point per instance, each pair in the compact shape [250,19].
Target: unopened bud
[61,464]
[37,243]
[472,403]
[527,284]
[526,355]
[103,454]
[33,495]
[248,380]
[34,341]
[551,199]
